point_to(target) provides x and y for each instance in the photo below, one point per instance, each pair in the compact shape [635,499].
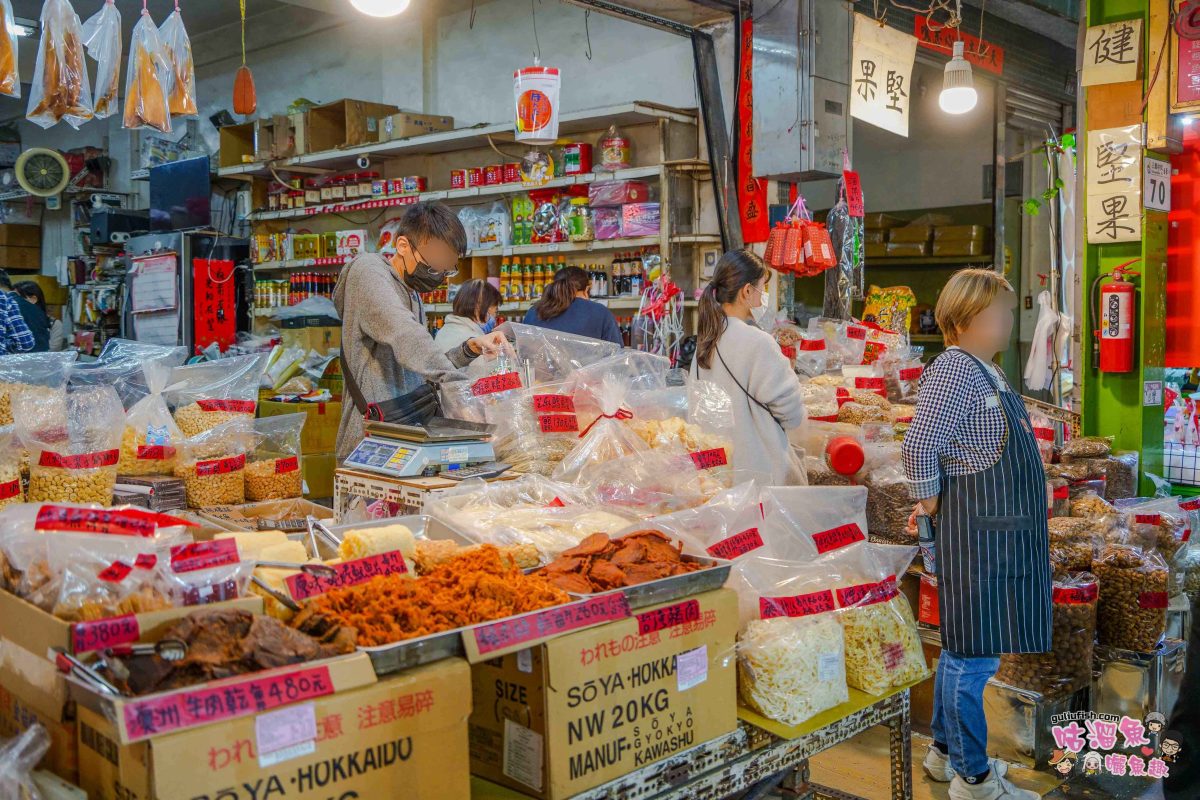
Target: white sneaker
[937,765]
[996,787]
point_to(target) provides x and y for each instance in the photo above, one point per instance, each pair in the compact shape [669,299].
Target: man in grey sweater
[386,347]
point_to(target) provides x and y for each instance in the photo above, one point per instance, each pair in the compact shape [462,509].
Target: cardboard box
[371,739]
[32,691]
[964,247]
[246,517]
[911,233]
[342,124]
[584,708]
[56,293]
[237,144]
[876,250]
[409,494]
[318,470]
[320,428]
[406,124]
[13,257]
[960,233]
[21,235]
[906,249]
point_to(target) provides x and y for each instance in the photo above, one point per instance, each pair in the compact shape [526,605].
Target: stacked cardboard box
[317,441]
[21,247]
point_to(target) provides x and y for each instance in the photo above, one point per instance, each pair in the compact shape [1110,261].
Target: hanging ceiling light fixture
[380,8]
[958,85]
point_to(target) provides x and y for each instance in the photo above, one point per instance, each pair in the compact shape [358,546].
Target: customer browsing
[971,459]
[565,307]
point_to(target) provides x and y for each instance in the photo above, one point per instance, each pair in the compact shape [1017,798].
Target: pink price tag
[1076,595]
[837,537]
[708,459]
[668,617]
[286,465]
[801,605]
[232,406]
[123,522]
[187,709]
[102,458]
[348,573]
[204,555]
[868,594]
[737,545]
[528,627]
[101,633]
[10,490]
[854,194]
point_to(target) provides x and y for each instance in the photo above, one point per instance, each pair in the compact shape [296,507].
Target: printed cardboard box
[585,708]
[32,692]
[319,434]
[375,738]
[271,513]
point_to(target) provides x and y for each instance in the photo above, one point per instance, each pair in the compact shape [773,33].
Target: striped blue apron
[993,548]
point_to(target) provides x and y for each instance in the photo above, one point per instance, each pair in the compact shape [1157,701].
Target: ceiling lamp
[380,8]
[958,86]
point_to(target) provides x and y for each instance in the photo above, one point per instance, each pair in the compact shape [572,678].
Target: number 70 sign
[1156,189]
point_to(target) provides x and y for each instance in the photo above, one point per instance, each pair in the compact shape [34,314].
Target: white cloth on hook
[1039,368]
[1068,256]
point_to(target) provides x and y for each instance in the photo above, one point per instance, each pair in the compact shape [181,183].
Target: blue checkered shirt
[15,336]
[958,427]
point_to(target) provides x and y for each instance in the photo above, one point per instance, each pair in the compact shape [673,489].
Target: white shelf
[597,245]
[300,263]
[614,303]
[467,138]
[452,195]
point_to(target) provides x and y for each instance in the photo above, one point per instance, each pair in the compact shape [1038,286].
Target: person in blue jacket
[564,307]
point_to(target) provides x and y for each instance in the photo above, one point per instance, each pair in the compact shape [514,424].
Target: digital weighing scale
[409,451]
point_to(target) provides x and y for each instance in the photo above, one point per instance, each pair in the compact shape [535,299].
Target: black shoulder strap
[749,397]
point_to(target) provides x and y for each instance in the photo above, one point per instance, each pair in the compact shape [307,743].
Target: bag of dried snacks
[273,467]
[102,38]
[60,89]
[10,77]
[150,438]
[181,85]
[43,375]
[212,464]
[211,393]
[74,448]
[146,79]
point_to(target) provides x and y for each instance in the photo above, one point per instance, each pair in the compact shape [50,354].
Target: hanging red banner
[752,192]
[978,52]
[214,303]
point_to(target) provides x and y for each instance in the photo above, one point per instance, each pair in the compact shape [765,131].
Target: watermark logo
[1090,744]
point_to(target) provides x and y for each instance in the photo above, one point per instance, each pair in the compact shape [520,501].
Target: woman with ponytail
[746,362]
[564,307]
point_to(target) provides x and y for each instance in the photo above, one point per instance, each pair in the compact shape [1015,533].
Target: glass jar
[312,192]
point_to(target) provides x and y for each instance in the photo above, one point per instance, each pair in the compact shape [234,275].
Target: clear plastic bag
[536,428]
[888,504]
[1087,447]
[659,481]
[803,522]
[10,77]
[273,468]
[11,490]
[1121,475]
[212,464]
[19,757]
[1132,613]
[146,79]
[214,392]
[492,383]
[105,576]
[181,85]
[846,341]
[150,437]
[74,448]
[812,355]
[903,376]
[205,572]
[728,526]
[102,38]
[43,375]
[697,417]
[60,89]
[121,363]
[1068,665]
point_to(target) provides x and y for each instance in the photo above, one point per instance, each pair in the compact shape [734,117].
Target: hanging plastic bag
[181,85]
[42,375]
[10,77]
[1068,665]
[146,79]
[844,284]
[60,88]
[536,428]
[74,449]
[212,464]
[273,468]
[102,38]
[214,392]
[150,438]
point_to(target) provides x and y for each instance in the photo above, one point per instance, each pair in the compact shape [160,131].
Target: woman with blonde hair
[973,464]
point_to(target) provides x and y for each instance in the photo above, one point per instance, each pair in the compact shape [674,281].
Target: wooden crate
[345,123]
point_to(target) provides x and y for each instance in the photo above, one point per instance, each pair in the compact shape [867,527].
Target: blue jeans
[958,709]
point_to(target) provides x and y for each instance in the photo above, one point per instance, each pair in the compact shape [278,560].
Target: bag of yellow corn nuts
[212,464]
[208,394]
[151,438]
[273,468]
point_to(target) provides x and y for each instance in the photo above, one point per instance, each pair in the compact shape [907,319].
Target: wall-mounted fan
[43,173]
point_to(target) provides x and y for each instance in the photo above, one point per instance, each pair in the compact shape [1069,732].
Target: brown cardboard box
[246,517]
[963,247]
[404,735]
[960,233]
[584,708]
[237,144]
[344,123]
[906,249]
[33,691]
[876,250]
[406,124]
[13,257]
[21,235]
[911,233]
[320,428]
[318,470]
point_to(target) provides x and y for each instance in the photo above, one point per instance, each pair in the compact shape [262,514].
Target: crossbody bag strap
[749,397]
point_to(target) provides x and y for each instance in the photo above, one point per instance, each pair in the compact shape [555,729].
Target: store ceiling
[198,15]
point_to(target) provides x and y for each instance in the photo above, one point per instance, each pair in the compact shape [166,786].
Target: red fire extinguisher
[1115,319]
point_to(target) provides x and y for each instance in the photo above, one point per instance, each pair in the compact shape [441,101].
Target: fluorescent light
[958,85]
[380,8]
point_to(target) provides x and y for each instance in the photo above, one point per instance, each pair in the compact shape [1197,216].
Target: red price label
[1076,595]
[856,332]
[1152,600]
[1191,505]
[496,383]
[812,345]
[854,194]
[115,572]
[737,545]
[204,555]
[155,452]
[526,628]
[1044,434]
[220,466]
[125,522]
[826,417]
[788,350]
[556,503]
[10,489]
[911,373]
[349,573]
[1147,519]
[145,561]
[801,605]
[554,403]
[662,618]
[868,594]
[1062,492]
[558,423]
[101,633]
[286,465]
[232,406]
[102,458]
[837,537]
[187,709]
[868,383]
[1187,534]
[708,459]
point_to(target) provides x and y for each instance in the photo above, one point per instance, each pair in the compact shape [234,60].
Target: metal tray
[423,526]
[664,590]
[399,656]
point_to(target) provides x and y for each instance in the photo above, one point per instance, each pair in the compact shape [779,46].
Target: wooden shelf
[926,337]
[926,261]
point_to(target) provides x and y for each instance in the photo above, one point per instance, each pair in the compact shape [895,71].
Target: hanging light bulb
[958,86]
[380,8]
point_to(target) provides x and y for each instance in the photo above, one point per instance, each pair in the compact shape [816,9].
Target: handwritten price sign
[801,605]
[1076,595]
[707,459]
[232,406]
[349,573]
[10,490]
[286,465]
[101,633]
[126,522]
[517,631]
[737,545]
[558,423]
[220,466]
[496,383]
[911,373]
[867,594]
[155,452]
[102,458]
[837,537]
[203,555]
[554,403]
[662,618]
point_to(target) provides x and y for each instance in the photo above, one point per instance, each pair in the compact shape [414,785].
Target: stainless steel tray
[664,590]
[399,656]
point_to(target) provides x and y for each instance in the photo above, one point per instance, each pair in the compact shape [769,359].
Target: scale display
[410,460]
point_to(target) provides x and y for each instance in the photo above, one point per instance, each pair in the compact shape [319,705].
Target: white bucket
[535,103]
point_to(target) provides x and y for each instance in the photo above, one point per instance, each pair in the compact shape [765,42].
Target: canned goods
[475,176]
[458,179]
[512,172]
[413,184]
[577,158]
[381,188]
[397,186]
[493,175]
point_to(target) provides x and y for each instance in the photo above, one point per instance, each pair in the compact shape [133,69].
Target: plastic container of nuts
[212,464]
[212,393]
[273,468]
[1068,665]
[1132,613]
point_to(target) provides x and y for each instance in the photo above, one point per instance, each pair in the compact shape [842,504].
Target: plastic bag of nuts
[212,464]
[150,438]
[888,505]
[214,392]
[1132,613]
[1074,543]
[1068,665]
[40,373]
[1058,498]
[11,489]
[73,446]
[273,468]
[1121,475]
[1087,447]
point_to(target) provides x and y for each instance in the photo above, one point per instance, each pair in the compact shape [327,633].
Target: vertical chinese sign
[1112,53]
[214,303]
[1114,185]
[752,192]
[881,66]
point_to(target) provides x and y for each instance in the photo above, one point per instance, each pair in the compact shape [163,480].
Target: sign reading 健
[1112,53]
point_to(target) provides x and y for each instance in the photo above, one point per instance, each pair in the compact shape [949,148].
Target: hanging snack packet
[73,446]
[181,85]
[214,392]
[146,79]
[212,464]
[102,38]
[60,80]
[10,78]
[273,469]
[151,438]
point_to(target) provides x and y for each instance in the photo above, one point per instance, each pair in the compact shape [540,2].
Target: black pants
[1183,783]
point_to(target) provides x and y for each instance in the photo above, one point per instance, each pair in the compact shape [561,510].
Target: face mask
[490,325]
[763,313]
[425,278]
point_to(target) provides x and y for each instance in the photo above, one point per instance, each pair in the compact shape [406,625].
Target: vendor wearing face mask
[475,308]
[745,361]
[387,352]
